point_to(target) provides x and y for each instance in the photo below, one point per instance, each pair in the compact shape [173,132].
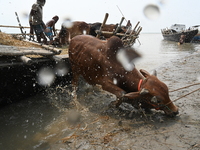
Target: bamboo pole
[25,59]
[13,26]
[136,26]
[119,26]
[21,28]
[102,25]
[7,26]
[53,49]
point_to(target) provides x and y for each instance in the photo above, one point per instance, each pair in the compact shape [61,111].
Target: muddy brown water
[55,121]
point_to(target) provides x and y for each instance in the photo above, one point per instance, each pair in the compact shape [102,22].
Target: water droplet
[152,11]
[67,23]
[61,69]
[126,62]
[45,77]
[84,32]
[198,78]
[115,81]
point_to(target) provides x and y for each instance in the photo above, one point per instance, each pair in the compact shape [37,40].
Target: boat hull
[189,35]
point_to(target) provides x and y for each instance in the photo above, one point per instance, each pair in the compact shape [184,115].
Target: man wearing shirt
[36,21]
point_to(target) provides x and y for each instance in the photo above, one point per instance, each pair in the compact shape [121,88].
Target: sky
[153,15]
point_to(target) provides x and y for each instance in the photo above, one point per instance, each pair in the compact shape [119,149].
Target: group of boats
[178,32]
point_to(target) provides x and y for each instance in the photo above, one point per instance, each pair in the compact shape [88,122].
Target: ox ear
[144,73]
[132,95]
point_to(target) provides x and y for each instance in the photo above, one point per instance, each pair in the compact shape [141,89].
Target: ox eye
[159,100]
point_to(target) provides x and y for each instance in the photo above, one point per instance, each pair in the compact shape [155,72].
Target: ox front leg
[114,89]
[117,103]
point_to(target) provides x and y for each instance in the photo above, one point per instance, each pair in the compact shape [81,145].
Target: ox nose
[173,114]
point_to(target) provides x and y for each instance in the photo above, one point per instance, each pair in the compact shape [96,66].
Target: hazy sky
[169,12]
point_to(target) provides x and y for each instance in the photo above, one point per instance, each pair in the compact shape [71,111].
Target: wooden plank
[16,51]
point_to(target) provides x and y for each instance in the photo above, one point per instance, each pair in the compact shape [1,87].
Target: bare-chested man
[50,28]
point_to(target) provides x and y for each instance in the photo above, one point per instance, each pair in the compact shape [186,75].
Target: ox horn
[154,72]
[144,91]
[154,99]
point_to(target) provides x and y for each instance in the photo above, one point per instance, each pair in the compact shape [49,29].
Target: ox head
[153,94]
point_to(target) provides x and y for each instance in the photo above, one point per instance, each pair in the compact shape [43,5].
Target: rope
[186,95]
[185,87]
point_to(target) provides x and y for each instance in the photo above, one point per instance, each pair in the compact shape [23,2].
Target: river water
[28,125]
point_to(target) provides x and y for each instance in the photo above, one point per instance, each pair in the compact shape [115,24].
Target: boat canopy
[178,27]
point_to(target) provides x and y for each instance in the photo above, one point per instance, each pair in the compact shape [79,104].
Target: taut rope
[184,88]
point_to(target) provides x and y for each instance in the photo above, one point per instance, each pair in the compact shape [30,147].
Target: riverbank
[52,121]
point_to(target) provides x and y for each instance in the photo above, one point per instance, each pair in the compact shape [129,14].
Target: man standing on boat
[36,21]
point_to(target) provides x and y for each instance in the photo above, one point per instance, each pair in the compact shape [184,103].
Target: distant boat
[178,32]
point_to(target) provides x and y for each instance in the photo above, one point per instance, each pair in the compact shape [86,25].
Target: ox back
[96,61]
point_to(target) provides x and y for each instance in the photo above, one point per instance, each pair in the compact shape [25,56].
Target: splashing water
[152,12]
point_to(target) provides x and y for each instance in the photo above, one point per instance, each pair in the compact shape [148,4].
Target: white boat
[175,32]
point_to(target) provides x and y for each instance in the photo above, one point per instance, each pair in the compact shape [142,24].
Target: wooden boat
[21,65]
[175,32]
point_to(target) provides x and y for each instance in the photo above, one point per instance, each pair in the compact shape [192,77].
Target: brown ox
[66,33]
[96,61]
